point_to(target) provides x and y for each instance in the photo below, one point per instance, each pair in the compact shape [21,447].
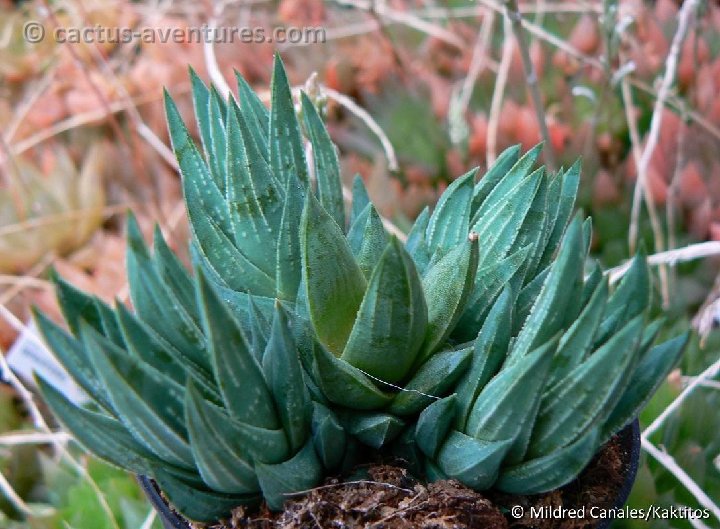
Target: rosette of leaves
[537,404]
[55,212]
[180,391]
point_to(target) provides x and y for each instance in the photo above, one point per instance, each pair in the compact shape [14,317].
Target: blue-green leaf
[333,281]
[327,165]
[472,461]
[390,324]
[449,224]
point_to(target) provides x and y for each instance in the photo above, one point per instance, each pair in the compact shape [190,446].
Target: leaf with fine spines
[254,198]
[218,253]
[73,357]
[110,326]
[329,436]
[367,239]
[587,395]
[301,472]
[496,172]
[327,165]
[502,190]
[237,371]
[630,298]
[195,173]
[568,193]
[75,305]
[391,320]
[416,243]
[334,283]
[447,286]
[535,228]
[217,153]
[106,437]
[372,429]
[647,377]
[198,503]
[255,113]
[548,312]
[592,280]
[259,330]
[201,100]
[346,385]
[287,154]
[502,409]
[360,198]
[527,297]
[449,224]
[148,403]
[490,280]
[433,424]
[472,461]
[551,471]
[577,340]
[435,377]
[282,369]
[156,305]
[500,227]
[143,343]
[174,274]
[489,350]
[289,259]
[225,450]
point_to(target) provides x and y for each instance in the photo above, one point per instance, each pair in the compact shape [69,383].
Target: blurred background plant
[629,85]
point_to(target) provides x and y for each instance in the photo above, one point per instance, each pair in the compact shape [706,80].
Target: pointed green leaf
[237,371]
[333,281]
[72,356]
[449,224]
[282,369]
[196,503]
[255,201]
[473,462]
[346,385]
[372,429]
[391,321]
[255,113]
[578,339]
[75,305]
[174,274]
[496,172]
[433,424]
[435,377]
[367,239]
[105,437]
[502,409]
[647,377]
[149,404]
[566,203]
[225,450]
[551,471]
[549,311]
[329,436]
[327,165]
[287,154]
[489,351]
[587,394]
[288,265]
[302,472]
[195,173]
[360,198]
[447,286]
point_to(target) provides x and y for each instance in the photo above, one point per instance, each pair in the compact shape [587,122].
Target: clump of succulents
[478,349]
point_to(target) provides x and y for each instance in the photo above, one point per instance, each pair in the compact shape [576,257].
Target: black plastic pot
[629,440]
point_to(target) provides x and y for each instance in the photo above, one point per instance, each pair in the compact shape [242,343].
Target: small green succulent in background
[470,347]
[53,213]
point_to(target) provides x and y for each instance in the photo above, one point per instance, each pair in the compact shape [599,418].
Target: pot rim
[629,435]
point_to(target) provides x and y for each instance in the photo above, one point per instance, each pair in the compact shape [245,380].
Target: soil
[392,499]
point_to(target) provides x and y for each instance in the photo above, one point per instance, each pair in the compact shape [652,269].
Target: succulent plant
[299,333]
